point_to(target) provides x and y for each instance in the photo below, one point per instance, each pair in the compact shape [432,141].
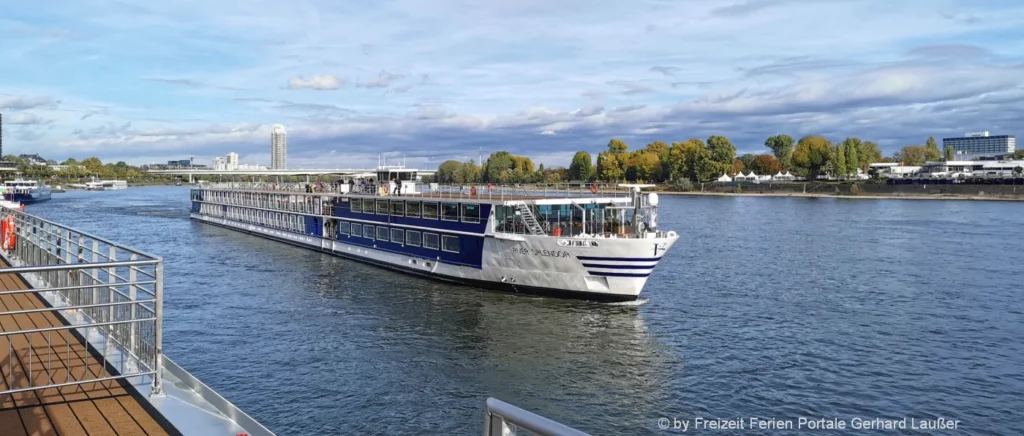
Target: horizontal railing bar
[79,382]
[528,420]
[77,326]
[84,306]
[72,288]
[75,266]
[34,220]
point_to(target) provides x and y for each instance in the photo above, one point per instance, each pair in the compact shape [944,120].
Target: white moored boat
[597,243]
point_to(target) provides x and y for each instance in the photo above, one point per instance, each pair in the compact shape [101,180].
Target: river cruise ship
[26,191]
[589,242]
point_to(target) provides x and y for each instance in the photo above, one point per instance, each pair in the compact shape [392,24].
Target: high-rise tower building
[278,148]
[232,163]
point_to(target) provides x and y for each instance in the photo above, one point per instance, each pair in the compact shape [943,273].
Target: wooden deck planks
[98,408]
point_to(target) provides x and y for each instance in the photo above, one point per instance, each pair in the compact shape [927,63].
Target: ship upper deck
[477,193]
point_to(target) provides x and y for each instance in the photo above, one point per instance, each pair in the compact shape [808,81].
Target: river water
[768,307]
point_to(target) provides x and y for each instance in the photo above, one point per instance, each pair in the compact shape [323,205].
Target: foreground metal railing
[501,419]
[106,291]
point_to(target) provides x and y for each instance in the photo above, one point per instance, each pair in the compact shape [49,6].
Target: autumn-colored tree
[765,164]
[661,149]
[643,165]
[811,155]
[609,168]
[737,166]
[616,146]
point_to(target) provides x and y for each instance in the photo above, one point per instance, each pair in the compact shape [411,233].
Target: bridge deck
[98,408]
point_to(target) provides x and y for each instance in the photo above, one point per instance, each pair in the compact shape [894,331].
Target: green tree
[811,155]
[505,167]
[782,148]
[70,161]
[852,160]
[867,154]
[931,150]
[469,172]
[950,153]
[449,172]
[748,160]
[839,162]
[582,167]
[722,152]
[1019,154]
[616,146]
[609,168]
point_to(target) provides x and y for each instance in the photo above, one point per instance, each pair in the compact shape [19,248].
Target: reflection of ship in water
[561,359]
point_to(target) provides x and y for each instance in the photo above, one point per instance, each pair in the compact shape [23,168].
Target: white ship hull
[605,269]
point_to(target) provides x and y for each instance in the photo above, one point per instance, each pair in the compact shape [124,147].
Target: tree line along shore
[694,160]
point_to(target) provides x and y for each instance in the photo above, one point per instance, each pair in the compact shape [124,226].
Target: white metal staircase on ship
[531,221]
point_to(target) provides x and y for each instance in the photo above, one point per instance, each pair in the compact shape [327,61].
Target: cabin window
[367,231]
[357,229]
[412,237]
[430,241]
[449,211]
[397,208]
[470,213]
[345,227]
[355,205]
[412,209]
[382,233]
[367,205]
[398,236]
[450,243]
[382,207]
[429,210]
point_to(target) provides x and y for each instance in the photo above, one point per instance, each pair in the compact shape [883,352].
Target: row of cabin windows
[470,213]
[414,238]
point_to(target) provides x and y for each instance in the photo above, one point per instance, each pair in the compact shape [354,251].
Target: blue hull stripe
[620,259]
[615,274]
[594,265]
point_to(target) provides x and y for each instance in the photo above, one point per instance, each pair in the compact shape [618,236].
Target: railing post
[158,333]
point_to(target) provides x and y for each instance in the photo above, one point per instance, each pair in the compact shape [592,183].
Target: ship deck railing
[501,418]
[81,342]
[483,191]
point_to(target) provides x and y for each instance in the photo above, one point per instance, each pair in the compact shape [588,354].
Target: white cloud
[321,82]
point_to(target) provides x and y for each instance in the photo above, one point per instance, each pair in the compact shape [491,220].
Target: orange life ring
[10,228]
[593,188]
[7,228]
[472,191]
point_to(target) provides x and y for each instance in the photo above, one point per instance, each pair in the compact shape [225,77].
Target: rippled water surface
[771,307]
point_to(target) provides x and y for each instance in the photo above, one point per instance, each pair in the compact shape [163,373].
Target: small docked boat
[106,185]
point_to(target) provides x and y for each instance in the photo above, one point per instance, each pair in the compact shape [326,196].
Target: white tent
[784,176]
[724,178]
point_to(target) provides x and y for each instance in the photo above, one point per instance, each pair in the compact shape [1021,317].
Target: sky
[428,81]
